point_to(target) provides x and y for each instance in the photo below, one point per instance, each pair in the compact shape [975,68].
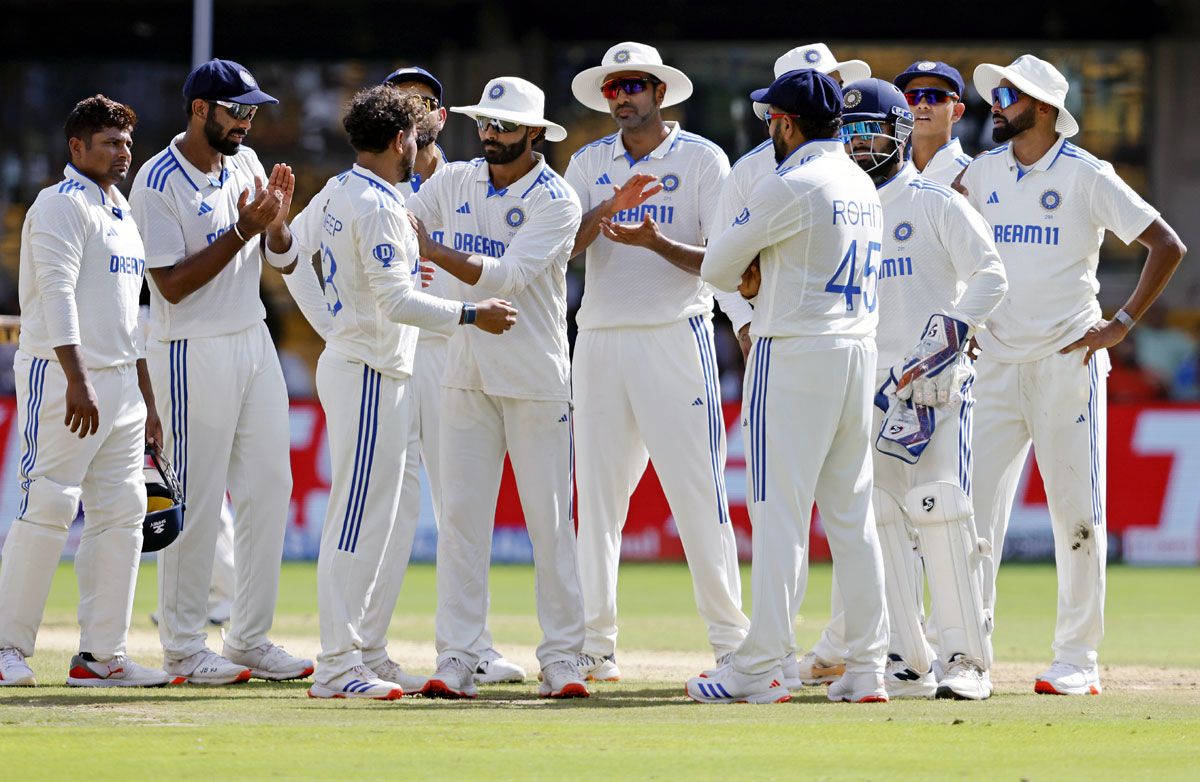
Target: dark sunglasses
[1006,96]
[932,95]
[500,125]
[238,110]
[630,85]
[868,128]
[431,104]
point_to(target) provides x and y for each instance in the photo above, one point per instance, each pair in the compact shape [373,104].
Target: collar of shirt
[811,149]
[893,187]
[77,180]
[951,149]
[1043,164]
[522,186]
[195,175]
[660,151]
[375,181]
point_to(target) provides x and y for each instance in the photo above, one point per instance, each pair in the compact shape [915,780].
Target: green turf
[634,729]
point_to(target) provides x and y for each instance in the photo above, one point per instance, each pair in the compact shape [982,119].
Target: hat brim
[586,84]
[851,71]
[902,80]
[251,98]
[554,131]
[430,82]
[987,77]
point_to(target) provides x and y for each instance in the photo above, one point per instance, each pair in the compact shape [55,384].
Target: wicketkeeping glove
[932,372]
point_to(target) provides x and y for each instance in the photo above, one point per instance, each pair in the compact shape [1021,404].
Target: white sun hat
[1036,78]
[512,99]
[630,56]
[818,57]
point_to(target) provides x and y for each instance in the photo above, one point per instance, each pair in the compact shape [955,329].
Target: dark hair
[538,137]
[376,114]
[818,128]
[94,114]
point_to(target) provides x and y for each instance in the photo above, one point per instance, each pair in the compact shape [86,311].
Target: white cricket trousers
[476,430]
[425,393]
[368,416]
[654,392]
[56,470]
[806,417]
[1060,406]
[224,410]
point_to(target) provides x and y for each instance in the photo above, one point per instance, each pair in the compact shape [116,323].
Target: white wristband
[1124,318]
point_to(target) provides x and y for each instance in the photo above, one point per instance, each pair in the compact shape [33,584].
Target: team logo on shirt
[926,66]
[812,56]
[851,99]
[903,232]
[1051,200]
[621,56]
[247,79]
[384,253]
[514,217]
[496,91]
[743,218]
[670,183]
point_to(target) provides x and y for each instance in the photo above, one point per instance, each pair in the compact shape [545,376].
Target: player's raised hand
[83,407]
[751,280]
[643,234]
[495,316]
[255,215]
[1102,334]
[634,192]
[282,185]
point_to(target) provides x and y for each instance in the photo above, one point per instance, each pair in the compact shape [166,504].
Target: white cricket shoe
[901,681]
[561,679]
[120,671]
[494,668]
[1067,679]
[269,661]
[14,671]
[814,670]
[727,685]
[791,671]
[864,687]
[205,667]
[390,671]
[965,680]
[598,669]
[358,682]
[452,679]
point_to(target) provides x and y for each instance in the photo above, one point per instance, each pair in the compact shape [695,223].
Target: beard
[218,138]
[498,153]
[781,150]
[634,120]
[1007,129]
[427,133]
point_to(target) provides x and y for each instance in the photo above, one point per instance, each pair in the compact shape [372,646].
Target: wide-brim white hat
[818,57]
[513,99]
[630,56]
[1034,77]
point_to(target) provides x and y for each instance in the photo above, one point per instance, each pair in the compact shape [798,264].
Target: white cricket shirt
[1048,224]
[946,163]
[524,233]
[626,285]
[817,227]
[81,273]
[359,226]
[438,286]
[938,257]
[182,210]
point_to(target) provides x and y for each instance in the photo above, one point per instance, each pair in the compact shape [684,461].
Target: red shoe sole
[437,689]
[570,691]
[1046,688]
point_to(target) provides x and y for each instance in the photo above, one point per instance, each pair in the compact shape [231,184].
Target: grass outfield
[1145,726]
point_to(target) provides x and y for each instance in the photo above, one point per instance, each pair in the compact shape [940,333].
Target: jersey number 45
[866,285]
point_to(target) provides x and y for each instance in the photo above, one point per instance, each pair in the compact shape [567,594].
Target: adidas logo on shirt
[1079,420]
[112,231]
[993,198]
[604,180]
[697,402]
[563,420]
[204,208]
[465,209]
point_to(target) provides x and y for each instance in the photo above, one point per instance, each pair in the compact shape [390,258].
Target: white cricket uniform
[81,273]
[806,405]
[1048,223]
[222,400]
[946,164]
[369,261]
[509,392]
[647,387]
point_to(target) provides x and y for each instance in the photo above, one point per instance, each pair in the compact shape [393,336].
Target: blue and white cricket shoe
[358,682]
[726,685]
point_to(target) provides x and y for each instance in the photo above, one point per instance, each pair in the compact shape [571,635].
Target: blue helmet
[164,503]
[868,106]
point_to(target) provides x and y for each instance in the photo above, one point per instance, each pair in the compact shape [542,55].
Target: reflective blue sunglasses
[867,128]
[1005,96]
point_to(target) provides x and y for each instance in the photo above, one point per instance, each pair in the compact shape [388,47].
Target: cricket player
[934,91]
[1041,375]
[816,226]
[646,384]
[84,406]
[370,266]
[209,216]
[939,278]
[425,390]
[509,222]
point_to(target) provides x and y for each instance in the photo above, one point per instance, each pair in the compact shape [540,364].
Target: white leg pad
[901,580]
[953,555]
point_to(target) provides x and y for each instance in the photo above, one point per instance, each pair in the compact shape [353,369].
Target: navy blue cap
[413,73]
[805,92]
[873,99]
[941,70]
[224,80]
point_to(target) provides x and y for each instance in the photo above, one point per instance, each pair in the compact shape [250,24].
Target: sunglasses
[500,125]
[238,110]
[867,128]
[1005,96]
[932,95]
[768,116]
[431,104]
[630,85]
